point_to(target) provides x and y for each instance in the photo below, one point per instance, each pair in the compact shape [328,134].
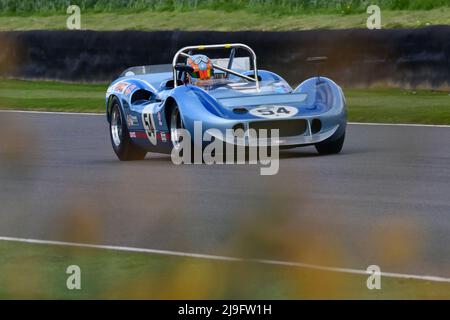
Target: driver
[203,67]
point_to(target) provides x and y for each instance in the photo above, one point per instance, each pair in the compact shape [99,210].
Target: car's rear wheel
[120,137]
[331,145]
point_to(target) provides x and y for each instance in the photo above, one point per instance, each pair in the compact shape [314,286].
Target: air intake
[287,128]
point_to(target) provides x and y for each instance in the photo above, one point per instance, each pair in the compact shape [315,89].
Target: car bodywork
[312,112]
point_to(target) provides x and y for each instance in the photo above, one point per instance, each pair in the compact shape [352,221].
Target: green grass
[364,105]
[52,96]
[220,20]
[30,271]
[279,7]
[220,15]
[398,106]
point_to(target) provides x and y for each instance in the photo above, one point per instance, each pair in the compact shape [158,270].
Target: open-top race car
[148,105]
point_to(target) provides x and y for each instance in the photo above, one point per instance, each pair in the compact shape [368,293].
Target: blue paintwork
[318,98]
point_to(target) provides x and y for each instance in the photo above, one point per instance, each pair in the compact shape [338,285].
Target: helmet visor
[202,74]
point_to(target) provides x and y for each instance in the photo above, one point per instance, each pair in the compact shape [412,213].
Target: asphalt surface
[384,200]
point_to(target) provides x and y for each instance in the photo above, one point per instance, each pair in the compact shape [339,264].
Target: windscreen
[155,68]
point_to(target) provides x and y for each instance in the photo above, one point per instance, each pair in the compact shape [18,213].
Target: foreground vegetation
[364,105]
[30,271]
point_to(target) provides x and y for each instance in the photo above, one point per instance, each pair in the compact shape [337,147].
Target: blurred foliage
[30,271]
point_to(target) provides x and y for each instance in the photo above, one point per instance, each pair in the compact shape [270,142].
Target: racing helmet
[202,65]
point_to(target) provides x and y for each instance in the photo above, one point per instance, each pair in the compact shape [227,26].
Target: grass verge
[31,271]
[279,7]
[364,105]
[52,96]
[220,20]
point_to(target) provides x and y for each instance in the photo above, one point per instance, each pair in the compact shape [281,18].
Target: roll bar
[182,52]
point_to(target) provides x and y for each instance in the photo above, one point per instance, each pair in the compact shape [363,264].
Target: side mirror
[184,68]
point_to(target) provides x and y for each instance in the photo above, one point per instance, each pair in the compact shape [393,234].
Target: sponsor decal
[132,120]
[138,135]
[119,87]
[274,112]
[163,136]
[129,89]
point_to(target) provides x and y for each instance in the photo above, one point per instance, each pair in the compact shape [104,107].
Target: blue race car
[148,105]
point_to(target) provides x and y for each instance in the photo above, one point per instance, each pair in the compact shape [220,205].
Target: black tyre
[120,136]
[331,145]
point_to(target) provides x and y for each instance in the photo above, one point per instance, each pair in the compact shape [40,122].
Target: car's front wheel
[331,145]
[177,124]
[120,136]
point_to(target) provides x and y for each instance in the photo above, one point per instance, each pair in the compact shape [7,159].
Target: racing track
[384,200]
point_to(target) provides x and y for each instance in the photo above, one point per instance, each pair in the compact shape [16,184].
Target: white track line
[229,259]
[352,123]
[399,124]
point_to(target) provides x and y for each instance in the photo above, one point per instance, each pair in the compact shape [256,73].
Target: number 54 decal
[149,124]
[274,111]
